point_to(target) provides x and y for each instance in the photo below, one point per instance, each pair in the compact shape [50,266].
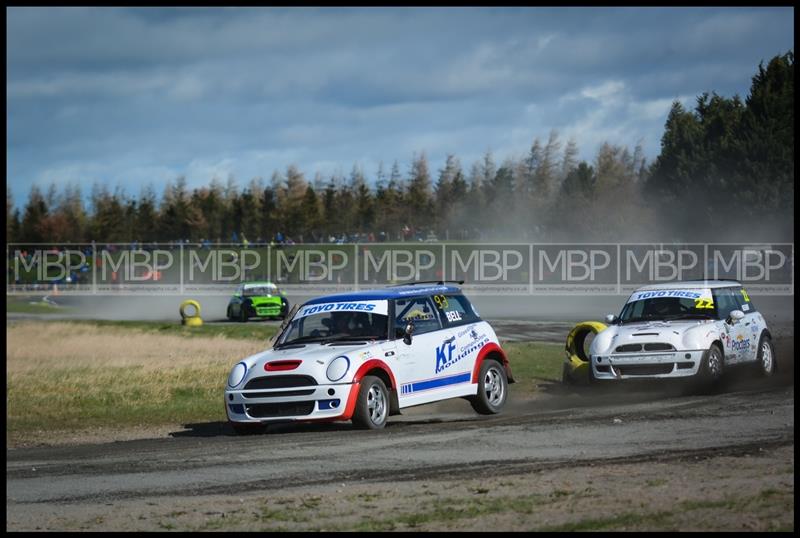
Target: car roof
[691,284]
[397,292]
[258,284]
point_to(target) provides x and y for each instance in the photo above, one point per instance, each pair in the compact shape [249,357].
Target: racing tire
[242,314]
[766,357]
[229,314]
[372,406]
[712,365]
[492,389]
[247,428]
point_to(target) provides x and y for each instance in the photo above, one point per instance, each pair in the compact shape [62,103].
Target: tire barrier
[194,320]
[576,365]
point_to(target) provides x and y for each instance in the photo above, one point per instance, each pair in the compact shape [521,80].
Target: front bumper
[267,310]
[656,365]
[271,310]
[314,402]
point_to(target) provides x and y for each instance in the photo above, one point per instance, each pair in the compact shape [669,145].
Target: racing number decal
[703,303]
[441,301]
[744,294]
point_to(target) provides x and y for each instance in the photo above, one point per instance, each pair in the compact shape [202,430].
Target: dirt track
[632,458]
[188,479]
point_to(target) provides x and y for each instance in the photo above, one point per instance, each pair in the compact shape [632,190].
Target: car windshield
[668,306]
[256,291]
[349,322]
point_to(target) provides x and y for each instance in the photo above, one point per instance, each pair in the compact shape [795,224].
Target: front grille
[629,348]
[280,382]
[633,348]
[285,409]
[659,347]
[645,369]
[278,394]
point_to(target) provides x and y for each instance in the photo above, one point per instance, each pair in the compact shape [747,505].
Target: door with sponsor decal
[424,369]
[470,331]
[735,334]
[753,322]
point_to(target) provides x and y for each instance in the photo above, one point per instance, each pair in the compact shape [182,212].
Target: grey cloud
[117,94]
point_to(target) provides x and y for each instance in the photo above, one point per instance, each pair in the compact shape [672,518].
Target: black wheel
[766,356]
[247,428]
[242,314]
[372,406]
[492,388]
[229,314]
[712,365]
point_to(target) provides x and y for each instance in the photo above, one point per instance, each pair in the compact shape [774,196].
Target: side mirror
[734,316]
[610,318]
[407,334]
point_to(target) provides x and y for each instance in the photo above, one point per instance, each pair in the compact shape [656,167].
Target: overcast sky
[128,96]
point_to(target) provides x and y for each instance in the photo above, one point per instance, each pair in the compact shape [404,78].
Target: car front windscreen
[258,291]
[337,321]
[669,305]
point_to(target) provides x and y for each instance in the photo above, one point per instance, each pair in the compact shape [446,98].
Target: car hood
[683,335]
[314,359]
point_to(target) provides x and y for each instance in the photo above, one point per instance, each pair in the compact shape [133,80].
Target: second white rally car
[366,355]
[683,329]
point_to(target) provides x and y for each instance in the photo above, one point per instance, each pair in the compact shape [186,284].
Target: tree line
[728,164]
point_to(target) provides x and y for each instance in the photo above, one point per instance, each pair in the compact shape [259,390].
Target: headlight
[237,374]
[338,368]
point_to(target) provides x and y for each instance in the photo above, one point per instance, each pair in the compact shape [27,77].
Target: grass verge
[70,376]
[244,331]
[32,305]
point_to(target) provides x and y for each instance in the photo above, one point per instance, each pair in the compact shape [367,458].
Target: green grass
[32,305]
[244,331]
[534,362]
[74,399]
[667,519]
[128,396]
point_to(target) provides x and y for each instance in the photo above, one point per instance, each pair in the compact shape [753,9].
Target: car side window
[725,301]
[455,310]
[419,311]
[743,299]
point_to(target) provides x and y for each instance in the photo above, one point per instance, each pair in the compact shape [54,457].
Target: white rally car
[683,329]
[367,355]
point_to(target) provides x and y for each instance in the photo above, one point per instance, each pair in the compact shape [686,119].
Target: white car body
[662,348]
[320,380]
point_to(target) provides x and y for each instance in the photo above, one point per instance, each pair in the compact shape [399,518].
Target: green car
[257,300]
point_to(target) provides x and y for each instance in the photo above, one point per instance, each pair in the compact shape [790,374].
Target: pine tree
[570,161]
[147,216]
[34,214]
[418,196]
[443,193]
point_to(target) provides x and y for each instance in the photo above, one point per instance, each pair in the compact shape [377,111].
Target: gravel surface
[635,457]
